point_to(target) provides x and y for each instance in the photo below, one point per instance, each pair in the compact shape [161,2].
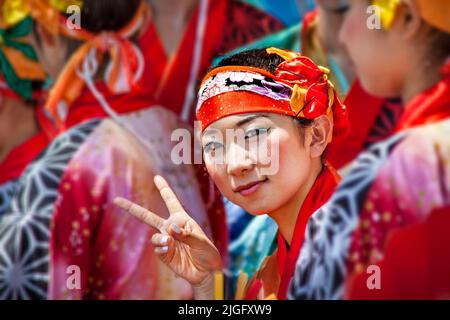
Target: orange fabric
[23,66]
[435,12]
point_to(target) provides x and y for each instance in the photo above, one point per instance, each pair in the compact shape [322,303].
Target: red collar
[321,191]
[87,107]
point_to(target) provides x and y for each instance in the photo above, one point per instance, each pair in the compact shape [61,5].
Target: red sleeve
[416,263]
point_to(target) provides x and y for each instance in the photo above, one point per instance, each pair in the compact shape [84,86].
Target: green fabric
[254,244]
[8,38]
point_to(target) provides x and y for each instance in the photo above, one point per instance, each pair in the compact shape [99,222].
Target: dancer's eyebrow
[250,119]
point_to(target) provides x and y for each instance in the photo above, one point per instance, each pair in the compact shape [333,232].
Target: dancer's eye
[256,132]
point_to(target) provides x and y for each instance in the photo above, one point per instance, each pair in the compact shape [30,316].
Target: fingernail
[162,249]
[157,179]
[164,240]
[176,228]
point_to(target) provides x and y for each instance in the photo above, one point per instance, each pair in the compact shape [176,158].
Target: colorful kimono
[74,243]
[396,190]
[61,225]
[276,271]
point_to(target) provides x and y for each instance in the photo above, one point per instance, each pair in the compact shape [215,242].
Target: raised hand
[180,242]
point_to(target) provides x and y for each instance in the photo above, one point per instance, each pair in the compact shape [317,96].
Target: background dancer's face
[381,58]
[246,178]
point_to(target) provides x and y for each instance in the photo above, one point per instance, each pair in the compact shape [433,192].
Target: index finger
[139,212]
[169,197]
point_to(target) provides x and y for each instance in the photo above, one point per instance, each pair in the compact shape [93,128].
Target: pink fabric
[110,246]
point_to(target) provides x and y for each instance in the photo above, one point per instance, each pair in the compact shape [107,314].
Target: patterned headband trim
[231,81]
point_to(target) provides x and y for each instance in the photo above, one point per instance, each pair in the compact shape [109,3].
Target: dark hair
[101,15]
[439,45]
[259,58]
[107,15]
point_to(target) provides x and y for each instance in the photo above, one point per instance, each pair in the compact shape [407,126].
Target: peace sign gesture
[180,242]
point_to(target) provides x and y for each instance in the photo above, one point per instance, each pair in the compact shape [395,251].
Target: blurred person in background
[389,217]
[61,238]
[22,121]
[371,118]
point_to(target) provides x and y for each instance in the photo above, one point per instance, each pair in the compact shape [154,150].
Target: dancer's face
[266,162]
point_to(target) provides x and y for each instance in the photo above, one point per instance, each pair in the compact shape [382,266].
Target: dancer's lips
[250,188]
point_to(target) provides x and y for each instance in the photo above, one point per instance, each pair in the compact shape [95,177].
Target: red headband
[299,88]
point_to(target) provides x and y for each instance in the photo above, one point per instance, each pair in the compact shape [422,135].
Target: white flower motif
[247,77]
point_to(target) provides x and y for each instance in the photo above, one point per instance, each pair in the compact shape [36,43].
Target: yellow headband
[434,12]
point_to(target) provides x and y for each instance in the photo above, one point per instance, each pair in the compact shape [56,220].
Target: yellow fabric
[434,12]
[13,11]
[388,9]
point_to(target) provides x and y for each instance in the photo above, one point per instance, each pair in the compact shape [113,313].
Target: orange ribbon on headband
[123,71]
[299,88]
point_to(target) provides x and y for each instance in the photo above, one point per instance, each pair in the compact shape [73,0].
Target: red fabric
[416,263]
[168,75]
[322,190]
[230,103]
[309,18]
[87,107]
[254,289]
[362,110]
[430,106]
[21,156]
[230,24]
[415,254]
